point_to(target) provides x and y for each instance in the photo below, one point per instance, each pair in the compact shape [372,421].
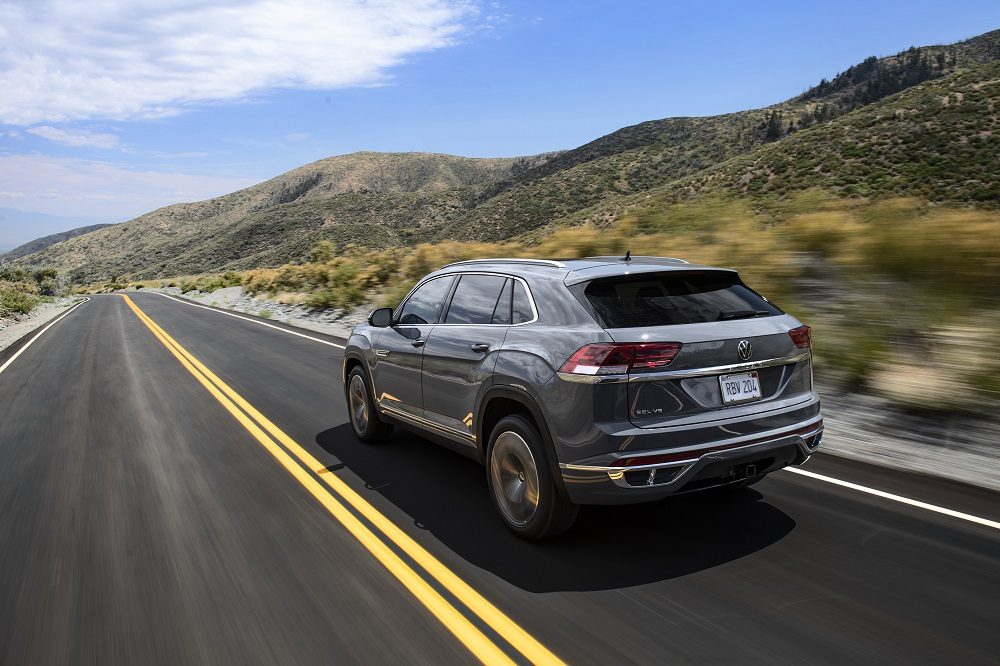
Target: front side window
[476,299]
[425,304]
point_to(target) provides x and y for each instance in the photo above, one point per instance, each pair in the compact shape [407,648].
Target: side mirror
[380,318]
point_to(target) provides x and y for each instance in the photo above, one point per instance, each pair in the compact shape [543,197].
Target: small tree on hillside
[322,251]
[774,129]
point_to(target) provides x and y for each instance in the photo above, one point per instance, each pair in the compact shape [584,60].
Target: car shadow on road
[608,548]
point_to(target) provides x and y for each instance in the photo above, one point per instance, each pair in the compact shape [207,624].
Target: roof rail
[639,256]
[542,262]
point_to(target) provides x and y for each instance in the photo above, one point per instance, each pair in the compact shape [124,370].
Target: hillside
[939,141]
[920,122]
[372,198]
[40,244]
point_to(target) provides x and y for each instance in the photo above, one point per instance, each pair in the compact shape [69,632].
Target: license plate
[738,388]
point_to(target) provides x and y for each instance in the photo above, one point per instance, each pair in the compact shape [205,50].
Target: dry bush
[882,283]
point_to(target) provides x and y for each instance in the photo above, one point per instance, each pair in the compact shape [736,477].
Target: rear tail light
[802,337]
[606,358]
[654,355]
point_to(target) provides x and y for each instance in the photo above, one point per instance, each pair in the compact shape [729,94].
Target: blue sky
[114,108]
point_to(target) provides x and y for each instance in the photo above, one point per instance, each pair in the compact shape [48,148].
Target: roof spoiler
[616,270]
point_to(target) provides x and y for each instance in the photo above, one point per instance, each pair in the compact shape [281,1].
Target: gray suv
[606,380]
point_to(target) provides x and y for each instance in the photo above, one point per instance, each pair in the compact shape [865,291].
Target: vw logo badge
[745,350]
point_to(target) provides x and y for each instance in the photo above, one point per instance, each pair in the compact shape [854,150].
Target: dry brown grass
[902,295]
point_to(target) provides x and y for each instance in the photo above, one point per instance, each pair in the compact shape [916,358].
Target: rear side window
[425,304]
[476,299]
[521,307]
[662,299]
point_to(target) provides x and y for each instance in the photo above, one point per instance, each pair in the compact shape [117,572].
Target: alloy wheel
[358,404]
[515,478]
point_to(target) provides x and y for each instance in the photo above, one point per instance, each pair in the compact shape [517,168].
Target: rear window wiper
[741,314]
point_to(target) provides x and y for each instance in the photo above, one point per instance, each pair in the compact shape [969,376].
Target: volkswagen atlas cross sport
[606,380]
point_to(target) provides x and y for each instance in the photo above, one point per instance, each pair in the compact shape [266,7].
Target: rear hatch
[720,322]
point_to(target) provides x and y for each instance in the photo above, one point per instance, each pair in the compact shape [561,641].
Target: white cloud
[75,138]
[66,60]
[100,190]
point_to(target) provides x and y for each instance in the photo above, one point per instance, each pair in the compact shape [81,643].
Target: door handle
[480,347]
[417,343]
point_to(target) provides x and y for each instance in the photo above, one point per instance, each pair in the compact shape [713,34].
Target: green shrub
[48,286]
[44,274]
[11,274]
[340,297]
[323,251]
[16,301]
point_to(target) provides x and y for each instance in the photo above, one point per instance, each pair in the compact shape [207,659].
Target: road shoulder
[16,333]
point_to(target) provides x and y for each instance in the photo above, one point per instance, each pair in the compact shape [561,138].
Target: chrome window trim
[459,274]
[684,374]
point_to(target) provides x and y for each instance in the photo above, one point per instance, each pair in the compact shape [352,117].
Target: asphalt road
[141,522]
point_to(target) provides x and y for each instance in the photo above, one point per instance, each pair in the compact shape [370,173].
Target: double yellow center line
[305,469]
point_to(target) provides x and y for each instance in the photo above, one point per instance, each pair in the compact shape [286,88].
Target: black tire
[361,411]
[521,484]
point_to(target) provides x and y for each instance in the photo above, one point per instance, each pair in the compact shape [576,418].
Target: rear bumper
[649,475]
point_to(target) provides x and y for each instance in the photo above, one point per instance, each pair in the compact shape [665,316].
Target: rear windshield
[662,299]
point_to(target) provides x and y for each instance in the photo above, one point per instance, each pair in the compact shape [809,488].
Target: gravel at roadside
[14,328]
[956,447]
[331,322]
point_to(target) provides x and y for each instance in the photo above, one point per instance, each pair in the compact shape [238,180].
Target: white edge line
[255,321]
[39,334]
[898,498]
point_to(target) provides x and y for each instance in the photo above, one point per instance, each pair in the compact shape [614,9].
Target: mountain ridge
[43,242]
